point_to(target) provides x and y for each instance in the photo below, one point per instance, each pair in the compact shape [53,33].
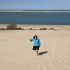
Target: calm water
[35,18]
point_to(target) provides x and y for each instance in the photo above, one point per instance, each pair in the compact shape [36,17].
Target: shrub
[0,29]
[43,28]
[12,26]
[30,28]
[51,29]
[20,28]
[3,29]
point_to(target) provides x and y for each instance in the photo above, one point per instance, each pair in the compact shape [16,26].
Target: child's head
[35,37]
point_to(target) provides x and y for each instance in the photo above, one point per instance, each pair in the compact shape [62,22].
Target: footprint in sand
[52,53]
[44,68]
[44,61]
[48,62]
[37,61]
[65,56]
[65,61]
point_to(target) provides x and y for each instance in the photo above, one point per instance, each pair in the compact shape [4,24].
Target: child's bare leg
[37,52]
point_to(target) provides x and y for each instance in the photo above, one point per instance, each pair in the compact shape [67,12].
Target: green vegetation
[43,28]
[19,28]
[13,26]
[51,29]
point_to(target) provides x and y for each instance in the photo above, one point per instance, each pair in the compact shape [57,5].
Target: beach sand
[16,50]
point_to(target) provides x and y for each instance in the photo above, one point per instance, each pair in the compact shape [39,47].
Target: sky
[34,4]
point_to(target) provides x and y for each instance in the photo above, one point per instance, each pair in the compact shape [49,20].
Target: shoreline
[36,24]
[35,11]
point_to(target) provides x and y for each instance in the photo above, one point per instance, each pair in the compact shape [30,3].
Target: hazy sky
[35,4]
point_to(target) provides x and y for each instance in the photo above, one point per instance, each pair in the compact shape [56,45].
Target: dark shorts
[35,47]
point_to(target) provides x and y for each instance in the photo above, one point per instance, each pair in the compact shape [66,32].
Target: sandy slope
[16,50]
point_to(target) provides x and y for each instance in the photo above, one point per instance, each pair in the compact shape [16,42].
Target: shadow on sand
[41,53]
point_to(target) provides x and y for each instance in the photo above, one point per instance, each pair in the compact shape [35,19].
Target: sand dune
[16,50]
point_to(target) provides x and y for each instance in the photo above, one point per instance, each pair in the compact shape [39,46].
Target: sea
[40,18]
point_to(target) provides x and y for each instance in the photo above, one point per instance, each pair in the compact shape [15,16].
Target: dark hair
[35,36]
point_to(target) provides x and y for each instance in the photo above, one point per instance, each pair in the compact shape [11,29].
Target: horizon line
[37,10]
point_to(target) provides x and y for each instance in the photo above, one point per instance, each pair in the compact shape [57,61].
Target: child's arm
[31,40]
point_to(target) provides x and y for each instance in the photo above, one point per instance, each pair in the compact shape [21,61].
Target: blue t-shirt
[36,41]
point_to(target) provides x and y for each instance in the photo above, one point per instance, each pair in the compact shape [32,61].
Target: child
[37,43]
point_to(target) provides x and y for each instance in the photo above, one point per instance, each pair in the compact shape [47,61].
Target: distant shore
[34,10]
